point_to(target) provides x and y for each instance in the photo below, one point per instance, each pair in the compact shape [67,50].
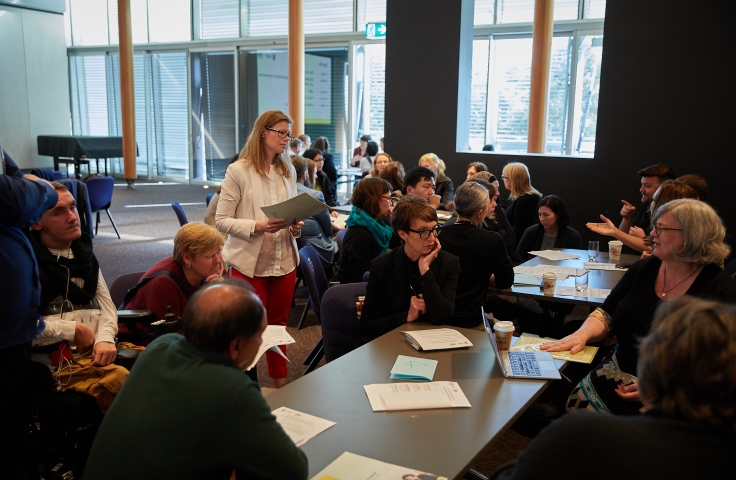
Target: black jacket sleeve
[528,241]
[440,290]
[506,230]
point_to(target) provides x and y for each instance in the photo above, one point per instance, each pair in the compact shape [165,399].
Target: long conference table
[596,278]
[442,441]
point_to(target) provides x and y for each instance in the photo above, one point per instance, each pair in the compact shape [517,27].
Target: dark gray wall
[667,95]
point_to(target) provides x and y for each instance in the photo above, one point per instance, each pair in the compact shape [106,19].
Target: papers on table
[525,279]
[600,266]
[339,221]
[350,466]
[539,270]
[443,216]
[295,209]
[272,336]
[554,255]
[415,396]
[589,292]
[413,368]
[530,343]
[436,339]
[299,426]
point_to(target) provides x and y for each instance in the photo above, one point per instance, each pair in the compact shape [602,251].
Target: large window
[369,90]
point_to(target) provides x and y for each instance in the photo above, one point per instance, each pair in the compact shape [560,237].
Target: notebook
[536,365]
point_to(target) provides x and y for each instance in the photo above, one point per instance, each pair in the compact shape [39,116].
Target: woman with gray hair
[482,254]
[688,249]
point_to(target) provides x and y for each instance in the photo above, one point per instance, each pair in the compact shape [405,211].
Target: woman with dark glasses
[414,282]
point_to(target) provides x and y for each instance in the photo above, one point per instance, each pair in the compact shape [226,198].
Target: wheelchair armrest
[131,318]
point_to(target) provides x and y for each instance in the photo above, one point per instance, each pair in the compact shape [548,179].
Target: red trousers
[276,294]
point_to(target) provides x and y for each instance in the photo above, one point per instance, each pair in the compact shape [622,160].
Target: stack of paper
[412,368]
[415,396]
[350,466]
[554,255]
[295,209]
[273,335]
[299,426]
[588,292]
[599,266]
[530,343]
[436,339]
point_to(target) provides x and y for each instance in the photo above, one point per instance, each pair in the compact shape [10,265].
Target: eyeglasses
[389,199]
[504,177]
[424,234]
[282,133]
[660,228]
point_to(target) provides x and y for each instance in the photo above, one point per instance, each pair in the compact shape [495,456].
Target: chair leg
[111,220]
[97,225]
[316,359]
[314,352]
[300,325]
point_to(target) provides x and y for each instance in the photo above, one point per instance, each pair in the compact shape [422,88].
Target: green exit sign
[375,30]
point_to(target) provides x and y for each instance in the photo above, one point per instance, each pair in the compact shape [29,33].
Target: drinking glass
[581,280]
[593,251]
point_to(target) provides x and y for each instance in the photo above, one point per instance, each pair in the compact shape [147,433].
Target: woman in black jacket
[552,231]
[323,145]
[323,183]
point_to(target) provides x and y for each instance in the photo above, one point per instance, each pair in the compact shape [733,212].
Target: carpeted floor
[147,225]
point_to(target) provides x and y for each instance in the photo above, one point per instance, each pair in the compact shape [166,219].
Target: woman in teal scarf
[367,236]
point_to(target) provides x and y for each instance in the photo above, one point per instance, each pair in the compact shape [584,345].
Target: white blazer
[238,210]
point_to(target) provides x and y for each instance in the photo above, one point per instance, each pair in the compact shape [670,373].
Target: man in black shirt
[651,178]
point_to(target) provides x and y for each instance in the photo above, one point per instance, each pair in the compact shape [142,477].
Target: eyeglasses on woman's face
[388,199]
[659,229]
[424,233]
[282,133]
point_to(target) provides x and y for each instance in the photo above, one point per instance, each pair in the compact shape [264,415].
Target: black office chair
[209,198]
[340,322]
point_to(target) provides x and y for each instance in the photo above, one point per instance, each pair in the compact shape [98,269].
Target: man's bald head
[221,312]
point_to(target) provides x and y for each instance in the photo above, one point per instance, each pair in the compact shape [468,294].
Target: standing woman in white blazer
[263,252]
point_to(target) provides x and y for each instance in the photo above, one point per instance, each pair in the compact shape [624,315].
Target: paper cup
[504,331]
[614,249]
[549,280]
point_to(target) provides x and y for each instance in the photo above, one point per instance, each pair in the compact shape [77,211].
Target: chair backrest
[100,191]
[122,284]
[340,319]
[340,237]
[180,214]
[366,275]
[314,276]
[209,198]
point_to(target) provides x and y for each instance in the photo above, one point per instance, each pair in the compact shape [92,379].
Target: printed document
[415,396]
[413,368]
[530,343]
[436,339]
[600,266]
[340,220]
[295,209]
[299,426]
[539,270]
[273,335]
[350,466]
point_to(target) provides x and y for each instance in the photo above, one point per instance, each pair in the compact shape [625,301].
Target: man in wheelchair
[76,305]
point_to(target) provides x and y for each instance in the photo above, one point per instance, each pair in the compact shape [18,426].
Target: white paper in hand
[295,209]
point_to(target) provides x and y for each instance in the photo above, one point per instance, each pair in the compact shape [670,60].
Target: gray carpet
[147,225]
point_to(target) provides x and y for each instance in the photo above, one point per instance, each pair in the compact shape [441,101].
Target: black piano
[78,150]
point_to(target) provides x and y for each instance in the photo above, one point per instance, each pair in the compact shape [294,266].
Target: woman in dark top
[690,408]
[688,249]
[323,145]
[497,221]
[414,282]
[443,185]
[522,212]
[367,236]
[552,231]
[481,253]
[323,183]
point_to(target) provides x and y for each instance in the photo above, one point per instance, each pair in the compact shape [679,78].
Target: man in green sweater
[187,411]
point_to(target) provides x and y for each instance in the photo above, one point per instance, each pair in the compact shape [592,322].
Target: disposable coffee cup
[549,280]
[504,331]
[614,249]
